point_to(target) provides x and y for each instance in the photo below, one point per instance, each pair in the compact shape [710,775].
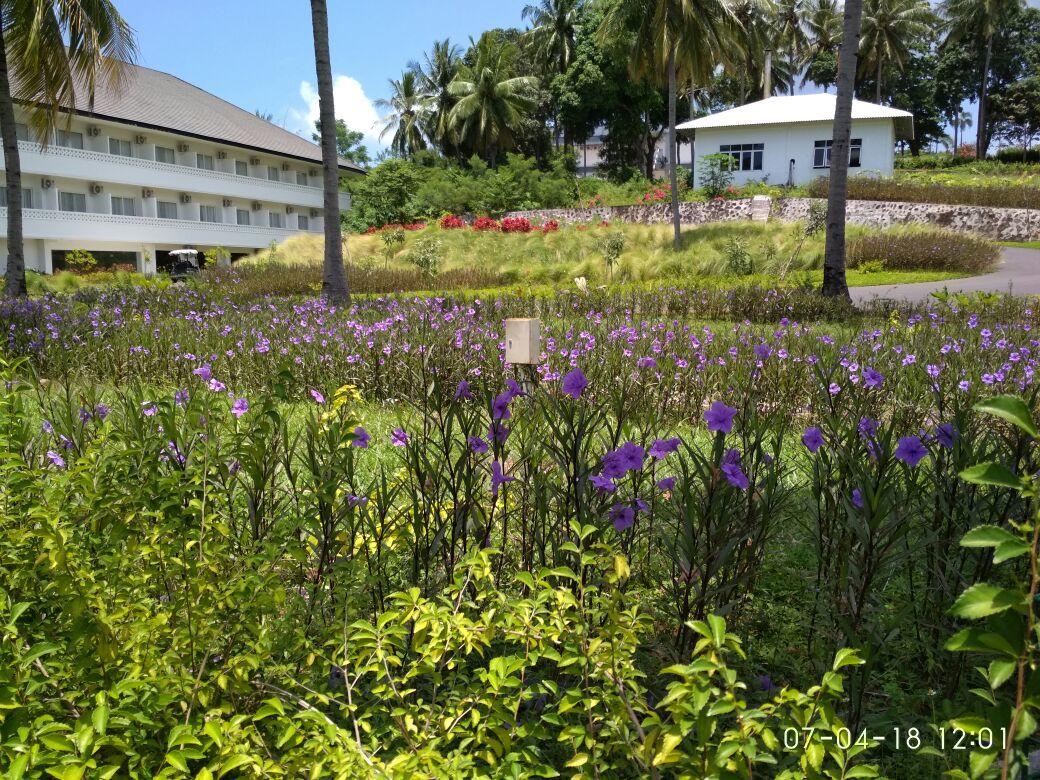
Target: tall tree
[50,53]
[834,283]
[979,22]
[348,143]
[553,29]
[790,33]
[334,285]
[823,25]
[438,70]
[492,98]
[670,35]
[890,28]
[407,107]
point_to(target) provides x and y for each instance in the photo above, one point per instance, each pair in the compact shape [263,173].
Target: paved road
[1018,272]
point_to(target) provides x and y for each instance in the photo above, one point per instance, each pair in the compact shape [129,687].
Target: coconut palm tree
[51,53]
[747,60]
[334,286]
[492,99]
[889,29]
[554,26]
[790,33]
[407,109]
[978,22]
[438,70]
[834,283]
[672,38]
[961,122]
[823,26]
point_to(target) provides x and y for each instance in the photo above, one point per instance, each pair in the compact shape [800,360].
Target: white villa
[162,165]
[786,140]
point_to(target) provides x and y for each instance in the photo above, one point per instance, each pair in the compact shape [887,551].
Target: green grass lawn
[1022,244]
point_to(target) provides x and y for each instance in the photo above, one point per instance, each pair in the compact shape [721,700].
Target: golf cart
[185,264]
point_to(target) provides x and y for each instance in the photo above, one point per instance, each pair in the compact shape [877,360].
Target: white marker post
[524,347]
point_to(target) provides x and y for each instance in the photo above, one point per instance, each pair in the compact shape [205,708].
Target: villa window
[21,131]
[208,214]
[277,220]
[120,147]
[72,201]
[243,216]
[822,153]
[164,154]
[301,178]
[304,223]
[205,162]
[241,167]
[123,207]
[272,172]
[69,139]
[166,209]
[746,157]
[27,198]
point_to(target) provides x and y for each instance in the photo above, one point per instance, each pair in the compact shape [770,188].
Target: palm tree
[961,121]
[754,19]
[823,24]
[52,51]
[407,109]
[790,33]
[334,285]
[668,35]
[492,99]
[889,29]
[834,283]
[439,68]
[978,21]
[554,26]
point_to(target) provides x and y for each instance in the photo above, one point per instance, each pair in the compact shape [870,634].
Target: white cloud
[353,106]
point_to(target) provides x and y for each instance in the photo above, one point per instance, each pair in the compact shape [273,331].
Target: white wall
[784,143]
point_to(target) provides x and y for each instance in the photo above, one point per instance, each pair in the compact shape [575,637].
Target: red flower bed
[415,226]
[655,195]
[604,223]
[516,225]
[486,223]
[551,226]
[451,222]
[371,230]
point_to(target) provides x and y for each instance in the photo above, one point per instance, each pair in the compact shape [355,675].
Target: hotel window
[120,147]
[166,209]
[241,167]
[72,201]
[123,207]
[746,157]
[277,220]
[272,172]
[208,214]
[301,178]
[164,154]
[822,153]
[68,139]
[243,216]
[21,131]
[27,198]
[204,161]
[304,223]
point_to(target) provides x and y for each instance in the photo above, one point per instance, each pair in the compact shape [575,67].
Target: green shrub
[738,258]
[426,255]
[80,261]
[995,195]
[716,174]
[917,249]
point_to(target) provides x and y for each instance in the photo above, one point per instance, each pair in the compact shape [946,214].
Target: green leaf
[999,672]
[987,536]
[991,474]
[1010,549]
[177,761]
[846,657]
[984,599]
[1010,408]
[978,762]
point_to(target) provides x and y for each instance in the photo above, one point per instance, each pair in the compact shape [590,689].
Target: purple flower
[203,372]
[398,437]
[477,445]
[84,415]
[317,396]
[180,397]
[720,417]
[148,409]
[498,432]
[872,378]
[763,351]
[217,386]
[646,362]
[574,383]
[357,501]
[732,471]
[628,457]
[857,498]
[766,684]
[514,390]
[239,407]
[911,451]
[666,484]
[623,516]
[834,388]
[662,448]
[56,459]
[946,434]
[867,428]
[361,438]
[812,439]
[500,406]
[101,412]
[600,482]
[498,478]
[462,392]
[47,427]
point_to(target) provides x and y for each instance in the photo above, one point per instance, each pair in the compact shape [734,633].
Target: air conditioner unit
[93,132]
[47,183]
[185,197]
[182,147]
[314,212]
[285,166]
[147,193]
[139,139]
[221,155]
[254,160]
[257,205]
[96,189]
[290,209]
[227,203]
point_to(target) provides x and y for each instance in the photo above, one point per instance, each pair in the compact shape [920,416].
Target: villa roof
[159,101]
[797,109]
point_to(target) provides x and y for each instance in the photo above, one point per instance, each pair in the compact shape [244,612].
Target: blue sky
[259,54]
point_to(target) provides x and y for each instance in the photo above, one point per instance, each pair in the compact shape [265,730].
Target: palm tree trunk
[834,283]
[980,137]
[15,274]
[878,80]
[672,173]
[334,287]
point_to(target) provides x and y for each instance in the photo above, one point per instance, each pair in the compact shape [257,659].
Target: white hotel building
[162,165]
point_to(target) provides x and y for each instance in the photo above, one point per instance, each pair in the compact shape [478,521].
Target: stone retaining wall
[996,223]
